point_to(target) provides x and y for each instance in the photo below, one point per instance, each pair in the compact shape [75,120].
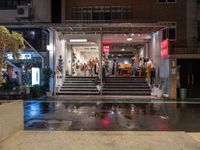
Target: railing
[32,48]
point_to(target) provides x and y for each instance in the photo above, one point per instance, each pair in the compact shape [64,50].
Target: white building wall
[50,48]
[59,51]
[41,12]
[162,64]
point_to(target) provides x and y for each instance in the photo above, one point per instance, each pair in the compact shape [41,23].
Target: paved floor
[26,140]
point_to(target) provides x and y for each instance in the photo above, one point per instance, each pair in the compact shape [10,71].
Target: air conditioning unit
[23,11]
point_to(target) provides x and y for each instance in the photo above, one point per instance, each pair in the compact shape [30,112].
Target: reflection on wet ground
[112,116]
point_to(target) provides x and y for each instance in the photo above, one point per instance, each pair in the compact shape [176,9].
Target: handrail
[35,51]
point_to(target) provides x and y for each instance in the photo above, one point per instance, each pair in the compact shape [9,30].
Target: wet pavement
[101,116]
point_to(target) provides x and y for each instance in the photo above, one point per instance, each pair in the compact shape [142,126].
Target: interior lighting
[122,49]
[78,40]
[129,39]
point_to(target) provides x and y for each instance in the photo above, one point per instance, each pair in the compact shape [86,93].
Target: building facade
[110,23]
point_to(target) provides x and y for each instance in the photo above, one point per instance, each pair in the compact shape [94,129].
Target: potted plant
[161,81]
[155,87]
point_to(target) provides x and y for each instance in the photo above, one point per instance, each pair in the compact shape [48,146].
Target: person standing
[152,74]
[133,68]
[114,69]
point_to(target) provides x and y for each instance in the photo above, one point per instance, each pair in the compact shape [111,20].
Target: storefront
[122,50]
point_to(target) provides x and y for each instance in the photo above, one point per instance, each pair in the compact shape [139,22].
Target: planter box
[11,118]
[155,91]
[160,93]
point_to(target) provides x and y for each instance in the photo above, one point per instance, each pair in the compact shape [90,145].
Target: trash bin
[183,93]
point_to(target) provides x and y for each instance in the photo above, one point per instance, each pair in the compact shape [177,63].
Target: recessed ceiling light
[129,39]
[78,40]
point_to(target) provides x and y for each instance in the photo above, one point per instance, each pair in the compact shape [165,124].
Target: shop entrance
[85,61]
[189,76]
[125,55]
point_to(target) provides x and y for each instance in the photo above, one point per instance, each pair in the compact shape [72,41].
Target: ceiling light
[132,34]
[119,55]
[122,49]
[129,39]
[78,40]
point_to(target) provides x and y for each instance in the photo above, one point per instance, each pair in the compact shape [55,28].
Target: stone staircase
[126,86]
[79,86]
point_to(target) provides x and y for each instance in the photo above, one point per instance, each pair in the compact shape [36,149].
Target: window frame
[173,25]
[166,2]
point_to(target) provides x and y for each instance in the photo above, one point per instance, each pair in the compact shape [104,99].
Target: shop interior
[125,55]
[85,60]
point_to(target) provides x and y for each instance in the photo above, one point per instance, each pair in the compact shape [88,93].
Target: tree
[9,42]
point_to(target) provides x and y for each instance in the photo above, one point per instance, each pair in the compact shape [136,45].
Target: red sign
[106,48]
[164,48]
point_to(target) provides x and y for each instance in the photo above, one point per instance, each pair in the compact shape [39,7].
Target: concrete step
[80,78]
[126,86]
[126,93]
[125,77]
[70,81]
[80,86]
[78,89]
[118,89]
[78,93]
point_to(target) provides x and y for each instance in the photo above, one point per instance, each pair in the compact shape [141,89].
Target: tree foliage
[9,42]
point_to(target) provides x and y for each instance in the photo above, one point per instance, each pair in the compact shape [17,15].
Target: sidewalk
[50,140]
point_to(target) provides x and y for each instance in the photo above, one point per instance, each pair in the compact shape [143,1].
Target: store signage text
[35,76]
[106,48]
[21,56]
[165,48]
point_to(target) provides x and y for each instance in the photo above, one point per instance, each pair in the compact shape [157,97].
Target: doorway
[190,76]
[85,61]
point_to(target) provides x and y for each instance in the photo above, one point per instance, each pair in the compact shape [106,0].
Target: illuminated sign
[106,48]
[164,48]
[22,56]
[35,76]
